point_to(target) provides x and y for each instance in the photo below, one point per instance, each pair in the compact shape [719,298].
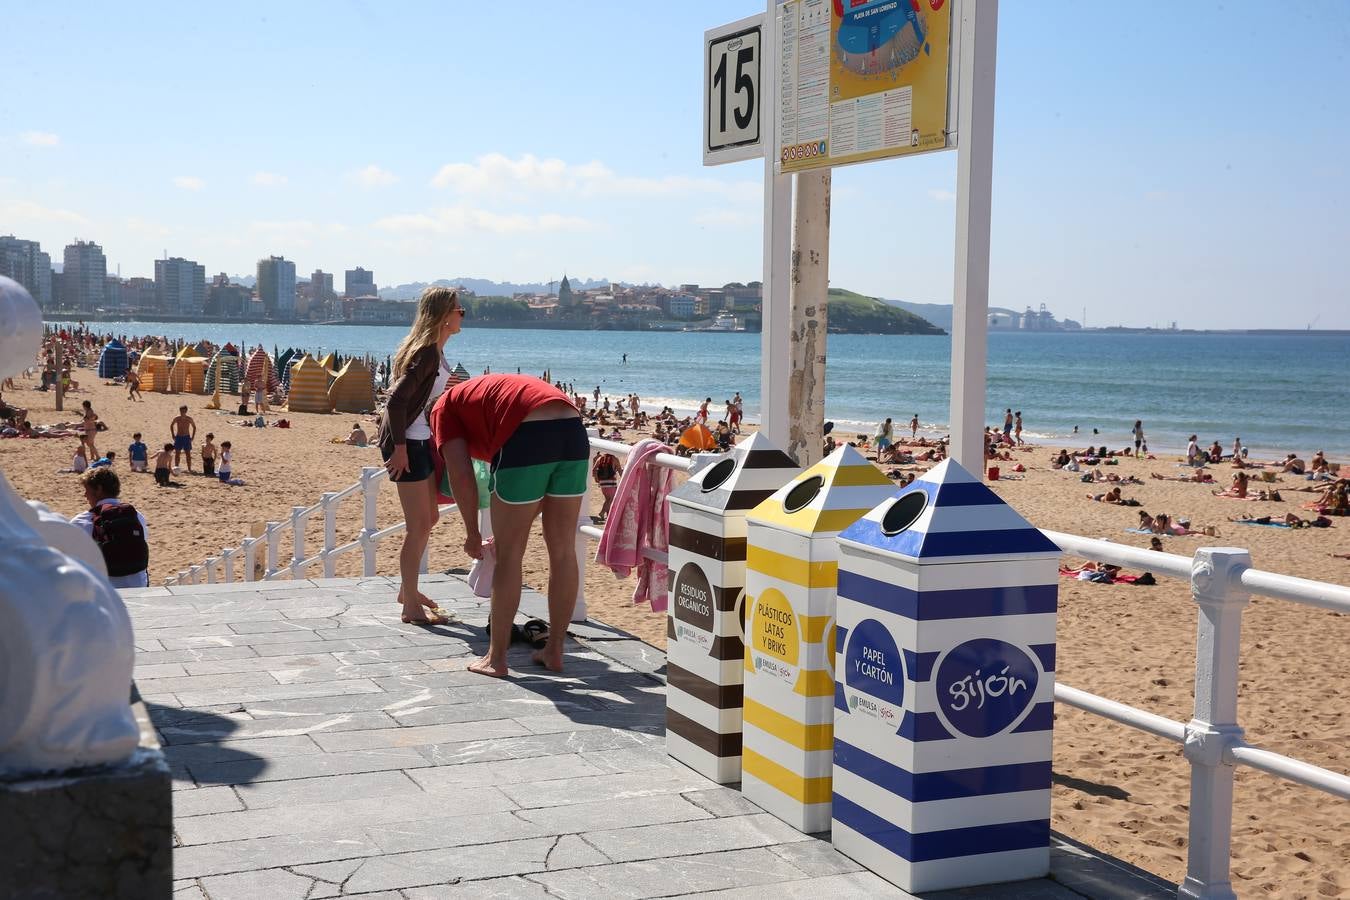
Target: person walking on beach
[182,429]
[606,471]
[1017,427]
[133,385]
[1193,455]
[885,435]
[914,427]
[1007,423]
[90,425]
[539,454]
[1138,435]
[420,374]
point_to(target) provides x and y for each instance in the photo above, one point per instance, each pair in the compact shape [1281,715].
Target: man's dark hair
[102,479]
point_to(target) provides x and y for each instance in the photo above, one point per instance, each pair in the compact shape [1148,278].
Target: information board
[862,80]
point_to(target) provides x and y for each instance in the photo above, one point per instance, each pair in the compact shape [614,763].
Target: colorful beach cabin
[261,372]
[153,370]
[112,360]
[353,390]
[790,579]
[222,373]
[309,387]
[705,637]
[946,667]
[188,374]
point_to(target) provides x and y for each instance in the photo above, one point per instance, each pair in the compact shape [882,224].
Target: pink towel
[480,575]
[638,520]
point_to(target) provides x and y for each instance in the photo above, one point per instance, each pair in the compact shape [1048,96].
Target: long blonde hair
[432,308]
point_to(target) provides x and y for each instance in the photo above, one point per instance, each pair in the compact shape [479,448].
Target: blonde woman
[420,375]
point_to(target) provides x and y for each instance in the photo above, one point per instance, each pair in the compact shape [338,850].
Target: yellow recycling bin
[791,576]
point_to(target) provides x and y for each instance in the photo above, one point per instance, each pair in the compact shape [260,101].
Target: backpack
[118,533]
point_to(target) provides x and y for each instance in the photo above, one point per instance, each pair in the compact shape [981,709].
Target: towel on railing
[638,520]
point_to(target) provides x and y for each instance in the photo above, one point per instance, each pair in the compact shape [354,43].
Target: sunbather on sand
[1200,476]
[1238,489]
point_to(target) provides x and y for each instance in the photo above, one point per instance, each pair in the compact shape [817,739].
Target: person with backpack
[116,527]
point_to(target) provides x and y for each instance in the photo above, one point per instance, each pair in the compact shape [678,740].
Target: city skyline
[1130,180]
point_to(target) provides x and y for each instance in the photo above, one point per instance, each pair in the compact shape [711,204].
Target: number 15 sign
[731,91]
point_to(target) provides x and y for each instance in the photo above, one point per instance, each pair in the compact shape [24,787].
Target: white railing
[1221,580]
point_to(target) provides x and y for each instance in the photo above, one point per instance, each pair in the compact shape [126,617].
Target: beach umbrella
[698,437]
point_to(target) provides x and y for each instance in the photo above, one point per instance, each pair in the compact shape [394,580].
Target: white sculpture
[66,644]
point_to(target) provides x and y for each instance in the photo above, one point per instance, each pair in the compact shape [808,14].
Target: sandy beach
[1116,789]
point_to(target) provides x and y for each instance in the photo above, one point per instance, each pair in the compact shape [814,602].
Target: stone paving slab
[322,749]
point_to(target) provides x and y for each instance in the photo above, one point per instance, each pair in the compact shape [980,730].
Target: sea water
[1280,393]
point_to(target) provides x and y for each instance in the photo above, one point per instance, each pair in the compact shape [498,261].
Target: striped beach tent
[309,387]
[188,374]
[287,358]
[154,372]
[458,374]
[223,372]
[354,388]
[260,371]
[329,362]
[112,361]
[792,567]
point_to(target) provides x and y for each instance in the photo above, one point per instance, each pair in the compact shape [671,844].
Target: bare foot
[422,598]
[552,661]
[484,666]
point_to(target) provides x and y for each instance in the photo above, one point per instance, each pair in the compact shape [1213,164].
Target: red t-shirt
[486,410]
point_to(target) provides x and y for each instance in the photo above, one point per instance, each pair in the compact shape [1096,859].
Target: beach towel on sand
[638,520]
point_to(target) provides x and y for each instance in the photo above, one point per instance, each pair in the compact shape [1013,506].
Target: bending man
[533,437]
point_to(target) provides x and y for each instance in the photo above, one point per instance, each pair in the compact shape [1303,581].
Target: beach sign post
[944,701]
[705,646]
[790,579]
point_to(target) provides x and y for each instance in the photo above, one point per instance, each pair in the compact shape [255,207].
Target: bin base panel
[940,874]
[720,769]
[808,818]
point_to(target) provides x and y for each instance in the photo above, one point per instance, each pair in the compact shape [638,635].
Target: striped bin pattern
[944,702]
[705,647]
[791,570]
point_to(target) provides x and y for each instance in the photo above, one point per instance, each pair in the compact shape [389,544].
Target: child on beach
[226,467]
[209,456]
[163,460]
[90,424]
[606,472]
[78,462]
[133,386]
[137,454]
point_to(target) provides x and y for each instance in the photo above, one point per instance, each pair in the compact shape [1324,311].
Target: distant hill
[852,313]
[484,287]
[940,314]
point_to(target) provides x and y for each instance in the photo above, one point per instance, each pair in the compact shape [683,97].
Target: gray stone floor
[322,749]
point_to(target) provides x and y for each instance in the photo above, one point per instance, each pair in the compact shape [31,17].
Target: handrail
[1221,581]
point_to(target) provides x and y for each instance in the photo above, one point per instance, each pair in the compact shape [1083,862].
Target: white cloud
[269,179]
[463,219]
[942,195]
[40,138]
[28,211]
[372,176]
[727,218]
[495,173]
[188,182]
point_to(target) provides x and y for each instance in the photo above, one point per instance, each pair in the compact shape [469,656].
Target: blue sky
[1153,163]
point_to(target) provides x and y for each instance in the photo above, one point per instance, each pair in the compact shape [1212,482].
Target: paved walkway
[322,749]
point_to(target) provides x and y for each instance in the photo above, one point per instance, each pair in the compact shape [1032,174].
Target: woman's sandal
[432,618]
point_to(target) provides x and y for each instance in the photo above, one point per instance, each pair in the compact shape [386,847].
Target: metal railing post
[250,546]
[272,536]
[227,556]
[211,569]
[194,574]
[298,522]
[329,534]
[370,495]
[1215,585]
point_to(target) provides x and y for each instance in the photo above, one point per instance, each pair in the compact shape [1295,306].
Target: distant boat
[722,322]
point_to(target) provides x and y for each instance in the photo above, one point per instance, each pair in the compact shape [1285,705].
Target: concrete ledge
[105,832]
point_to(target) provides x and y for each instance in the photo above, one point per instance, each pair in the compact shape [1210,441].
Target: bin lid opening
[802,494]
[718,474]
[903,513]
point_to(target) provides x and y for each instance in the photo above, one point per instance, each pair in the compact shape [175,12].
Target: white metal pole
[227,555]
[775,365]
[329,533]
[370,495]
[1215,584]
[298,522]
[974,191]
[808,319]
